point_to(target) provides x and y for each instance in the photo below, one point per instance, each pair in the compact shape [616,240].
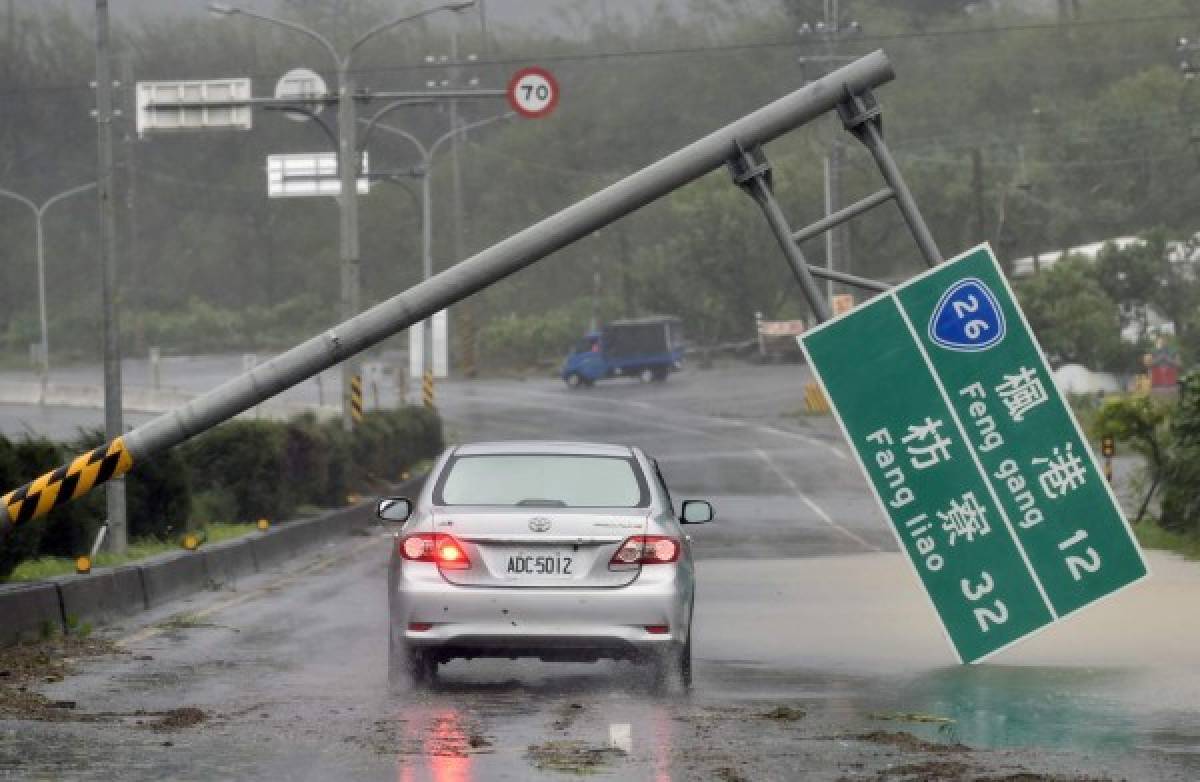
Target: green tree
[1074,318]
[1145,424]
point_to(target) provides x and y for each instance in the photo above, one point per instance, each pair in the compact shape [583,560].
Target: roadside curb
[33,610]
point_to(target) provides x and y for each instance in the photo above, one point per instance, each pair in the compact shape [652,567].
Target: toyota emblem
[540,524]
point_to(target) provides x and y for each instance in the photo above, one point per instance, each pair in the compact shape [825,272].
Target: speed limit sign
[533,92]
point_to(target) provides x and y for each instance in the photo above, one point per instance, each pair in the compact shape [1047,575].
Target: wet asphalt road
[804,606]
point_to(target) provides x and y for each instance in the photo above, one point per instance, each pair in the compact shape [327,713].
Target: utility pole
[128,143]
[829,31]
[456,176]
[348,165]
[456,131]
[113,426]
[977,190]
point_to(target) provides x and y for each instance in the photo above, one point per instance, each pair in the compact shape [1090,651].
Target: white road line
[817,509]
[620,736]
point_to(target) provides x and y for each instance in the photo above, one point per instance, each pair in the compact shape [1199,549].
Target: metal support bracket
[857,110]
[862,117]
[751,171]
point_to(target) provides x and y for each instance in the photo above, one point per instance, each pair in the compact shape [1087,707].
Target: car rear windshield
[542,481]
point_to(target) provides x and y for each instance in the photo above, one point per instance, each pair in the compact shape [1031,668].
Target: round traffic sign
[533,92]
[300,84]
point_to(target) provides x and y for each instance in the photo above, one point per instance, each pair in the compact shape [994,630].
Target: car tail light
[444,550]
[646,550]
[658,629]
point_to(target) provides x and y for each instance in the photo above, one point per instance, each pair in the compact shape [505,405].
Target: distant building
[1141,319]
[1024,267]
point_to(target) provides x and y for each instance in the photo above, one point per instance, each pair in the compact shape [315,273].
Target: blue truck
[646,348]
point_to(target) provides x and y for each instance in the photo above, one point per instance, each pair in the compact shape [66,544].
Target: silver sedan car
[559,551]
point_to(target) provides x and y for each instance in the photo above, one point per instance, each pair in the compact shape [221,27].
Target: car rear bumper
[550,623]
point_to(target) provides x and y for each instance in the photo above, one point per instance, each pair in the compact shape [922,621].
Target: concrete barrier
[173,576]
[102,595]
[29,611]
[32,610]
[227,562]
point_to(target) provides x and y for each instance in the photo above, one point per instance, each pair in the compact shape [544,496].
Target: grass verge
[46,567]
[1150,535]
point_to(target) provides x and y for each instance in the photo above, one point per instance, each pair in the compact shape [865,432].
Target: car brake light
[646,550]
[442,549]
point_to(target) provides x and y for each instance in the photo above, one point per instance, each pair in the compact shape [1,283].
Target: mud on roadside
[25,666]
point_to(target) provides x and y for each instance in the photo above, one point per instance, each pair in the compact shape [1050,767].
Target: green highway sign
[974,455]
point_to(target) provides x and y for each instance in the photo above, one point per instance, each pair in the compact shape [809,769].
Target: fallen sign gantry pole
[454,284]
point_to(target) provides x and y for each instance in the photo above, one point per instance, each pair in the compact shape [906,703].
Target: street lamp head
[222,9]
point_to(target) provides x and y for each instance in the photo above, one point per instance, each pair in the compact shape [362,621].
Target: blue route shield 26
[967,318]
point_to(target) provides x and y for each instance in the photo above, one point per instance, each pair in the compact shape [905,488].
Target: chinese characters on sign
[975,458]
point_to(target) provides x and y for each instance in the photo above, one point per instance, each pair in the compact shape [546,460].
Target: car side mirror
[696,512]
[396,509]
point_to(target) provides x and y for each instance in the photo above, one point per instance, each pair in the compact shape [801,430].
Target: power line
[779,43]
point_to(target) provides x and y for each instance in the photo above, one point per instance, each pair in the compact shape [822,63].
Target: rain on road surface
[817,655]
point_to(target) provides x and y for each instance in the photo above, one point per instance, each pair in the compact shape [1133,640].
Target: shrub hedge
[240,471]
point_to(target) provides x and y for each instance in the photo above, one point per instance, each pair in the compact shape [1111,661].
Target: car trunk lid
[540,547]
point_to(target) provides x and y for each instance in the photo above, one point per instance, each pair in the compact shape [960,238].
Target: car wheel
[685,663]
[660,374]
[573,380]
[397,670]
[672,665]
[422,668]
[646,375]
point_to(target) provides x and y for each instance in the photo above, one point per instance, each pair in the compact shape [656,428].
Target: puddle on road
[1087,711]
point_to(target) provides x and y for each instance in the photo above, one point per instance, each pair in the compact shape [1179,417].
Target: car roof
[543,446]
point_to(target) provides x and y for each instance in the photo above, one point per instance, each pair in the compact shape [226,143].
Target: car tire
[672,665]
[573,380]
[685,663]
[660,374]
[421,668]
[397,671]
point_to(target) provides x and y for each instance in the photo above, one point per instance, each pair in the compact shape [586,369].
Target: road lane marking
[817,509]
[161,626]
[620,736]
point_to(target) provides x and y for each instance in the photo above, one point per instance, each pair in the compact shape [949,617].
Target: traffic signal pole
[420,302]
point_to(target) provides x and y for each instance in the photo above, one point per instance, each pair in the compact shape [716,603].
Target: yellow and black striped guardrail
[68,482]
[356,399]
[427,390]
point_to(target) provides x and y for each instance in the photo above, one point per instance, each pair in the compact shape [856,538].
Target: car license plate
[531,564]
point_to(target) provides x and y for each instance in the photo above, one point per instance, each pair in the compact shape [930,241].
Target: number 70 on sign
[533,92]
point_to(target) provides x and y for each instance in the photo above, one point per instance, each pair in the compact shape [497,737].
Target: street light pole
[39,212]
[348,158]
[426,168]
